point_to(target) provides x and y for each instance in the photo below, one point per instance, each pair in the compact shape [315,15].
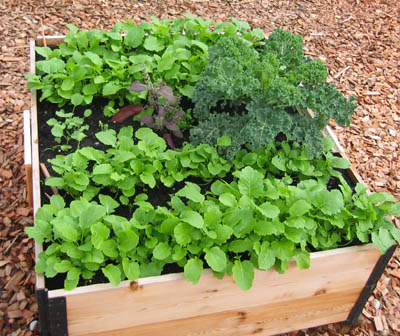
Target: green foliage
[93,63]
[69,127]
[278,205]
[264,93]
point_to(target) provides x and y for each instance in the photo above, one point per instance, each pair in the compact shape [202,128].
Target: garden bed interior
[325,293]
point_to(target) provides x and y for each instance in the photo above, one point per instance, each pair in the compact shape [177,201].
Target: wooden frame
[327,292]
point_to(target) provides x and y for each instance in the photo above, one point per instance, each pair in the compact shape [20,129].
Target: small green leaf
[193,218]
[107,137]
[131,269]
[303,259]
[266,257]
[110,89]
[127,240]
[76,99]
[68,84]
[162,251]
[193,270]
[57,201]
[243,274]
[109,203]
[279,162]
[182,233]
[269,210]
[224,141]
[109,248]
[152,43]
[299,208]
[134,37]
[191,191]
[228,199]
[215,258]
[112,273]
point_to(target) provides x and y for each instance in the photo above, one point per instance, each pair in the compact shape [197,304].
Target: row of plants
[253,185]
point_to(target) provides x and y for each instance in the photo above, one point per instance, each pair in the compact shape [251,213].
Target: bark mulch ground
[358,40]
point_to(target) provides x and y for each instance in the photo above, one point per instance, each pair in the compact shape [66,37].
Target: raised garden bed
[334,288]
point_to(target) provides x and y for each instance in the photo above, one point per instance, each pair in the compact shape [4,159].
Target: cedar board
[168,304]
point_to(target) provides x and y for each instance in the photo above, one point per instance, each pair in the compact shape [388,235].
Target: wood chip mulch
[358,40]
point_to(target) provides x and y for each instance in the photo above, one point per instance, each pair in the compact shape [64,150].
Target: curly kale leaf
[262,93]
[218,125]
[287,47]
[229,77]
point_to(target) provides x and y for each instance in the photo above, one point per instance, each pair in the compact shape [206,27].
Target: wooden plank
[35,159]
[153,301]
[28,156]
[51,40]
[264,319]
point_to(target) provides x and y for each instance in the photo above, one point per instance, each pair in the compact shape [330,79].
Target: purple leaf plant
[166,113]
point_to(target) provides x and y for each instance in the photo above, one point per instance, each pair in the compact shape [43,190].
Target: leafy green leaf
[269,210]
[266,257]
[299,208]
[127,240]
[243,274]
[193,218]
[107,137]
[76,99]
[134,37]
[162,251]
[112,273]
[250,182]
[131,269]
[228,199]
[215,258]
[191,191]
[193,270]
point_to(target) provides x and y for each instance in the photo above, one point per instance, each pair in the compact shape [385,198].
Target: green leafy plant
[126,165]
[279,205]
[69,127]
[263,93]
[97,63]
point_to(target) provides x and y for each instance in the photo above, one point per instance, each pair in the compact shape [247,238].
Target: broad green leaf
[251,182]
[107,137]
[110,248]
[131,269]
[228,199]
[299,208]
[337,162]
[193,270]
[148,179]
[112,273]
[57,201]
[110,89]
[329,202]
[162,251]
[92,214]
[283,249]
[76,99]
[127,240]
[240,245]
[109,203]
[191,191]
[67,84]
[216,258]
[134,37]
[266,257]
[279,162]
[100,234]
[67,232]
[269,210]
[55,182]
[303,259]
[152,43]
[243,274]
[224,141]
[63,266]
[193,218]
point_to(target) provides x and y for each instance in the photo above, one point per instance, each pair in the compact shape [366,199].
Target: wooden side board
[168,304]
[276,303]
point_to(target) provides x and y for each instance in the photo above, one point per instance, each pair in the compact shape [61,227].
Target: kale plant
[254,95]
